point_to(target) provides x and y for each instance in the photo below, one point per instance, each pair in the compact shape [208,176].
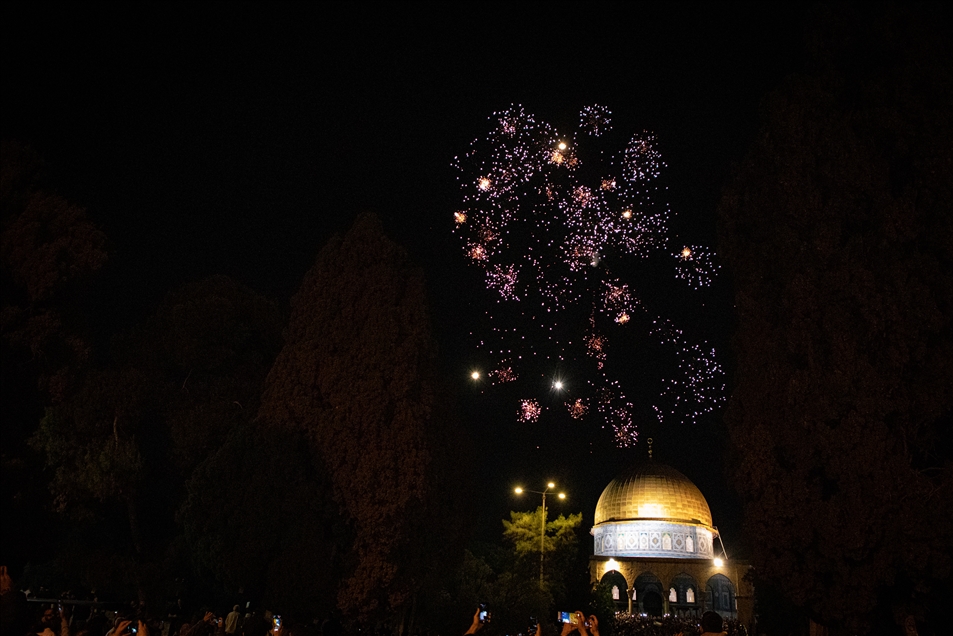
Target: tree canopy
[558,545]
[357,376]
[838,232]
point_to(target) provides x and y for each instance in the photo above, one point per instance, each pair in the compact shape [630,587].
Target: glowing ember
[530,410]
[577,409]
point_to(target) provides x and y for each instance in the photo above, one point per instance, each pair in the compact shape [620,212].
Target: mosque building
[655,548]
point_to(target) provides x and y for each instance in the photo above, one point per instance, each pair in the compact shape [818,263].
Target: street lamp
[542,529]
[718,560]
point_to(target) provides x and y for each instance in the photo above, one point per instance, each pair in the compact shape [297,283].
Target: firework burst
[550,219]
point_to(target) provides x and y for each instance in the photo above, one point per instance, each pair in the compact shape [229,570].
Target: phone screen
[564,617]
[277,622]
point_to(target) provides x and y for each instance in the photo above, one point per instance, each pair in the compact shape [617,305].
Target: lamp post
[542,528]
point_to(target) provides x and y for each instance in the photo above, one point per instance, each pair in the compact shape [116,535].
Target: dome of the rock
[653,510]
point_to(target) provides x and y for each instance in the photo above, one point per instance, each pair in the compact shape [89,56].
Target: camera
[484,613]
[568,617]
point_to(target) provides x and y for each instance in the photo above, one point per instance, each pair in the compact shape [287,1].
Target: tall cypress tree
[838,232]
[358,376]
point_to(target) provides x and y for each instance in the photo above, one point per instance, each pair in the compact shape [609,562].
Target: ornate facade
[655,548]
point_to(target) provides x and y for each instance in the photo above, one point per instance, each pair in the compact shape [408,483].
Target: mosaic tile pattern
[650,538]
[652,491]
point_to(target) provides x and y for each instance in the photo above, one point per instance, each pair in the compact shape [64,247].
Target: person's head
[711,622]
[235,609]
[49,616]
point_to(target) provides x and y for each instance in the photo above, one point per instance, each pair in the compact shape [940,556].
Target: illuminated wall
[661,539]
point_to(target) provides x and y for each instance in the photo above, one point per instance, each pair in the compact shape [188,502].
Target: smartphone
[565,617]
[277,623]
[533,624]
[484,613]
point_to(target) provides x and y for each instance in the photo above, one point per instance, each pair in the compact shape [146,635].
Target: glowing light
[518,490]
[550,485]
[577,409]
[651,511]
[530,410]
[696,266]
[478,253]
[503,375]
[595,120]
[553,223]
[562,495]
[460,218]
[718,562]
[475,375]
[611,565]
[558,385]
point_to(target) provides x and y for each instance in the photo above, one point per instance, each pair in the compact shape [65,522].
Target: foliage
[838,231]
[358,376]
[559,544]
[508,578]
[208,349]
[258,515]
[126,439]
[50,253]
[603,606]
[49,248]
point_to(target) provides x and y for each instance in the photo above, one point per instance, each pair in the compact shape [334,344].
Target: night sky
[236,140]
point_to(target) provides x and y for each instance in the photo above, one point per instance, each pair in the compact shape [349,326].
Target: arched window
[689,544]
[615,592]
[721,595]
[672,595]
[690,596]
[666,542]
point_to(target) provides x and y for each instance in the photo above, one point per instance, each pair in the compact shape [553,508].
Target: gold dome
[652,491]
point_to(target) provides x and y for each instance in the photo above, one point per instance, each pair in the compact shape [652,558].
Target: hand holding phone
[533,626]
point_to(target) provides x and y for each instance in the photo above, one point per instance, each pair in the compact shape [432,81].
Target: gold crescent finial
[649,440]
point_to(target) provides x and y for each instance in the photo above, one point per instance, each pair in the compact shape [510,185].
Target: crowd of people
[63,614]
[642,625]
[71,616]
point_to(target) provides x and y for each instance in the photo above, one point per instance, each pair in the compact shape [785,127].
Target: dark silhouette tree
[122,445]
[358,375]
[50,252]
[49,247]
[259,517]
[839,234]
